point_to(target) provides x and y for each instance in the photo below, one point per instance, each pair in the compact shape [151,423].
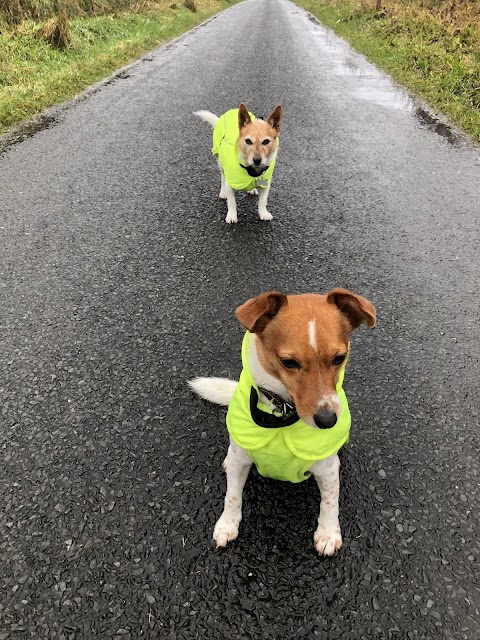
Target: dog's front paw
[226,530]
[222,195]
[253,192]
[327,541]
[265,215]
[231,218]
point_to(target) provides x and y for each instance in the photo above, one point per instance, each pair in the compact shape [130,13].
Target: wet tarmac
[26,130]
[118,282]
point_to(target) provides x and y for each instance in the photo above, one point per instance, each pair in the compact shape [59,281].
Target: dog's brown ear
[354,307]
[257,312]
[243,116]
[275,118]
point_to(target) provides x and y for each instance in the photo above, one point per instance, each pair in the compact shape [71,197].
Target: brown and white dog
[296,349]
[246,150]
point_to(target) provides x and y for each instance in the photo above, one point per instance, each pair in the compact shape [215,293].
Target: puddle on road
[377,91]
[373,85]
[433,123]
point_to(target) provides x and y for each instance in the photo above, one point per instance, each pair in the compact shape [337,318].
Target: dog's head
[258,140]
[302,340]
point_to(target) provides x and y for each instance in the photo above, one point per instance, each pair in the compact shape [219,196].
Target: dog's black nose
[257,160]
[325,419]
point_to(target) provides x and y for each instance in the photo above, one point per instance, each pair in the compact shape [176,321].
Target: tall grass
[15,11]
[454,16]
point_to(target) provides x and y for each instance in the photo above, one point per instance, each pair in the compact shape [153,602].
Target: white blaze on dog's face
[258,140]
[302,340]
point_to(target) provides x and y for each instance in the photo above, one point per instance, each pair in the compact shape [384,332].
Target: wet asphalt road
[118,283]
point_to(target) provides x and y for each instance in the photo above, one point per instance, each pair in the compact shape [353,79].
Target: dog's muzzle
[254,172]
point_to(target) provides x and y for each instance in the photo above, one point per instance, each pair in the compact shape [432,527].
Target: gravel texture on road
[119,281]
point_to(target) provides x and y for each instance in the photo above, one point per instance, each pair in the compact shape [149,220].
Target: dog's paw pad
[230,219]
[265,216]
[327,542]
[225,531]
[253,192]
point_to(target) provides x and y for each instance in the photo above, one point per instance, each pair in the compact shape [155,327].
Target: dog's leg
[237,465]
[222,195]
[231,203]
[327,537]
[262,203]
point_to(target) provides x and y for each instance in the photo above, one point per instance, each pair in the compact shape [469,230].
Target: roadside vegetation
[51,50]
[430,46]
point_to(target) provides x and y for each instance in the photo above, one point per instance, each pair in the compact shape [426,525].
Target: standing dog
[288,413]
[246,149]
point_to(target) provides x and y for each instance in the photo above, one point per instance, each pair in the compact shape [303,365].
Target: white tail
[208,116]
[218,390]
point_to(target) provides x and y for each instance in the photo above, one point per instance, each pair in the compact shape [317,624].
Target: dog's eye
[266,141]
[339,359]
[248,141]
[289,363]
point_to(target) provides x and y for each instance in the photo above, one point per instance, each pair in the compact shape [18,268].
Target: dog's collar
[253,172]
[284,406]
[270,420]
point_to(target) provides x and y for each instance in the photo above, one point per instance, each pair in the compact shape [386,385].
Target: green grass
[436,55]
[34,75]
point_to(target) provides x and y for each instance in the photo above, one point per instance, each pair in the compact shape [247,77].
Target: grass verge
[35,75]
[434,50]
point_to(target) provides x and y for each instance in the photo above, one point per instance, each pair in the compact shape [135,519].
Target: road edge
[51,116]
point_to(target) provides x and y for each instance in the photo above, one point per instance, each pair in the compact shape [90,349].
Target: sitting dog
[246,149]
[288,413]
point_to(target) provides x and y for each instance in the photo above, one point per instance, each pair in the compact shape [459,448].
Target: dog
[288,413]
[246,150]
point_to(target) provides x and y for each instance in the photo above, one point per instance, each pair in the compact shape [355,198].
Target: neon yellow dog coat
[225,135]
[286,452]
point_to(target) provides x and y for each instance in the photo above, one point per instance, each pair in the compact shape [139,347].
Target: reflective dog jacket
[286,452]
[225,136]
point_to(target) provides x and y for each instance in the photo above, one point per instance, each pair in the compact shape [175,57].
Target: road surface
[119,281]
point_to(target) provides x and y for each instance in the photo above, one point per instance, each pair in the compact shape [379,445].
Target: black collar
[270,420]
[254,172]
[284,406]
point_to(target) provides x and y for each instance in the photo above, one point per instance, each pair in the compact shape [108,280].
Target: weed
[56,31]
